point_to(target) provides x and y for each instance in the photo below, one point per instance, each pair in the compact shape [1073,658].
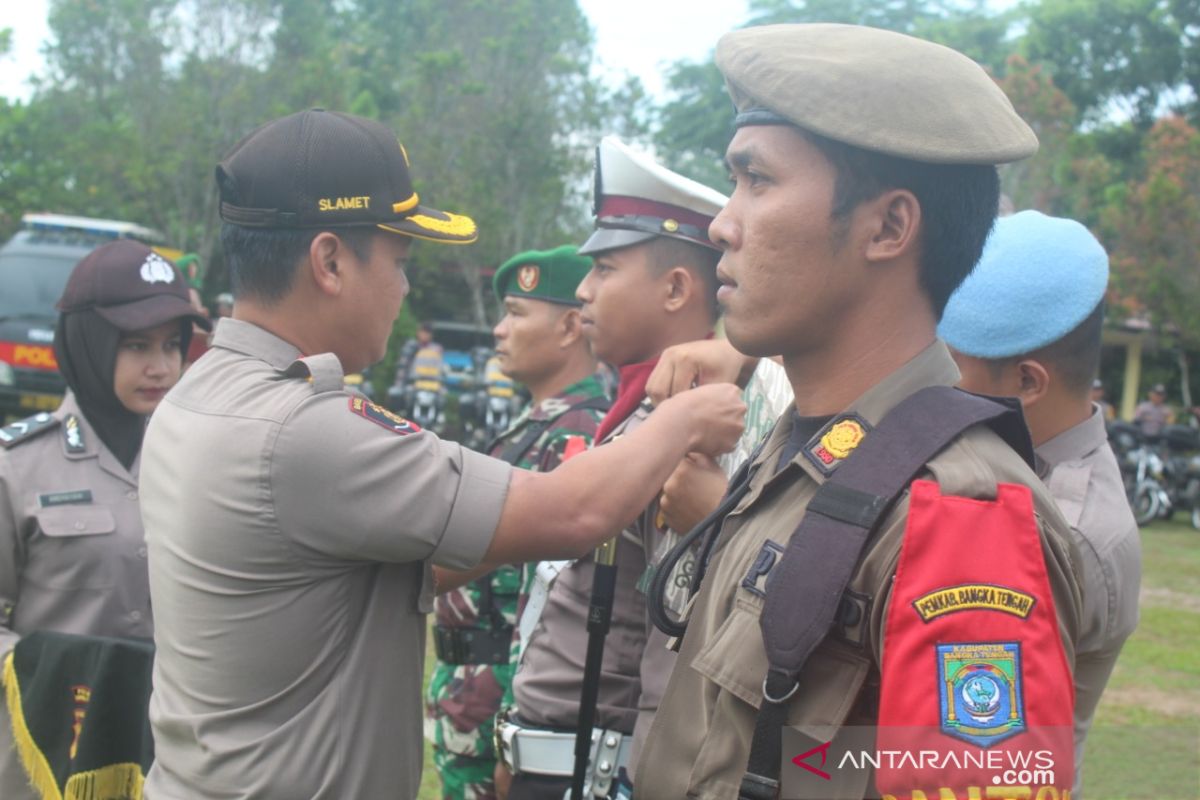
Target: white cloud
[27,18]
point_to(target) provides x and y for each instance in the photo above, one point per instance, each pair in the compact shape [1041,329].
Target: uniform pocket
[76,549]
[76,520]
[736,661]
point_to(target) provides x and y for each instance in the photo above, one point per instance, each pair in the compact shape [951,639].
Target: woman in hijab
[72,555]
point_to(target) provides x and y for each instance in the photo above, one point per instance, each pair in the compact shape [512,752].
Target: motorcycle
[1149,499]
[501,394]
[425,396]
[491,410]
[1161,473]
[1182,469]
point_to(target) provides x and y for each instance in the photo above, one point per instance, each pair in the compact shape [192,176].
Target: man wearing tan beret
[887,595]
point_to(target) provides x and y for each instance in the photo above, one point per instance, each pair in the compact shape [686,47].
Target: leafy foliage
[495,102]
[1155,230]
[499,109]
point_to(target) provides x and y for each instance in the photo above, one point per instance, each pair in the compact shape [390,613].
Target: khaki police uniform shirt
[1082,473]
[72,553]
[291,538]
[550,675]
[700,741]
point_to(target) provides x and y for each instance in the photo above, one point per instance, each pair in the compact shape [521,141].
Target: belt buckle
[606,761]
[500,747]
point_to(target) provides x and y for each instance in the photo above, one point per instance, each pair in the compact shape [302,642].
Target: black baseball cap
[131,286]
[318,169]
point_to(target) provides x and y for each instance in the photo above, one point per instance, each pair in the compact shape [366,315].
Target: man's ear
[894,222]
[1033,381]
[680,286]
[569,328]
[323,255]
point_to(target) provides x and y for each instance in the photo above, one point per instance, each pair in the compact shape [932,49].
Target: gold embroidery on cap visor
[453,229]
[406,205]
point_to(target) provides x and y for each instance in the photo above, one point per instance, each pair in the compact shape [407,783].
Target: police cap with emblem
[873,89]
[130,286]
[551,275]
[1039,277]
[637,199]
[318,169]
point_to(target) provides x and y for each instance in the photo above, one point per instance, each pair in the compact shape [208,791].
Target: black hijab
[86,347]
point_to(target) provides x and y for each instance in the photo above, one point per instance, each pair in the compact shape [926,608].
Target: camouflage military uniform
[462,700]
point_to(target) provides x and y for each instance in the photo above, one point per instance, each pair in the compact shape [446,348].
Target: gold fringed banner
[32,758]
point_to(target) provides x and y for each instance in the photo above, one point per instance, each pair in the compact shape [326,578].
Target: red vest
[976,691]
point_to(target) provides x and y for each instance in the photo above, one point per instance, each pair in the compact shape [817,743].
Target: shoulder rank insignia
[981,692]
[381,416]
[24,430]
[837,440]
[73,435]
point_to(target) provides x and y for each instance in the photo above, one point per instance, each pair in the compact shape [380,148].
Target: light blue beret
[1038,278]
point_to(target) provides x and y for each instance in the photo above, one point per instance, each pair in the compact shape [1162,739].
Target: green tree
[1037,182]
[1153,226]
[694,126]
[1111,55]
[497,105]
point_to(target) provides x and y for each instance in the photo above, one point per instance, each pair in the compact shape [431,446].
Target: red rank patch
[381,416]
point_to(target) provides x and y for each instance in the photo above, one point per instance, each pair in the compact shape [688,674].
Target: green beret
[551,275]
[874,89]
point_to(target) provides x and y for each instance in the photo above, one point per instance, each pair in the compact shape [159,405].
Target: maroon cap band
[619,206]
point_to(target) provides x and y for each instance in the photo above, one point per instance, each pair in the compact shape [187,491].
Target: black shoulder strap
[801,602]
[517,450]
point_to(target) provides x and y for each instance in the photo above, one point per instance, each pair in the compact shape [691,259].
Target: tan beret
[877,90]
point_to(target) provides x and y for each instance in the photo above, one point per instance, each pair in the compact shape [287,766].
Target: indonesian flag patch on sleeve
[381,416]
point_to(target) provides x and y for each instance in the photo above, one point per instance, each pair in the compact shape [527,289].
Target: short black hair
[1075,358]
[666,252]
[262,261]
[958,207]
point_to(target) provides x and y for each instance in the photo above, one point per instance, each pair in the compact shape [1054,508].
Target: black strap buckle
[458,646]
[758,787]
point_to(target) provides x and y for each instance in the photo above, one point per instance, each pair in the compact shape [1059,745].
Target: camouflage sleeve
[552,450]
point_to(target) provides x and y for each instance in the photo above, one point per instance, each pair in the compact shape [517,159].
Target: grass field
[1146,739]
[1145,743]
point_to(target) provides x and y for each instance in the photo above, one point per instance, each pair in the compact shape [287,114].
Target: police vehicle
[34,266]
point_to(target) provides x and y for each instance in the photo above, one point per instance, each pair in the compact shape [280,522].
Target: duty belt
[538,751]
[472,645]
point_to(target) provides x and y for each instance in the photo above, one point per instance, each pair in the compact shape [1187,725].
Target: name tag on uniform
[64,498]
